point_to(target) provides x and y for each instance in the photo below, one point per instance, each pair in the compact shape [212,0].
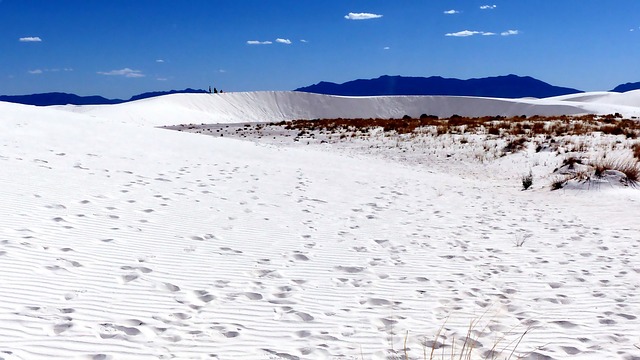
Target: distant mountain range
[626,87]
[509,86]
[57,98]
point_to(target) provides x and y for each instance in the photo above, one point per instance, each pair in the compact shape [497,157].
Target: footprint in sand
[171,287]
[62,327]
[109,330]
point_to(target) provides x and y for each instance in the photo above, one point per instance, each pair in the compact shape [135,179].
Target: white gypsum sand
[270,106]
[124,241]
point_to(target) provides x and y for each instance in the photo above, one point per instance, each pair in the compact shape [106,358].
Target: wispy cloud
[161,79]
[386,48]
[451,12]
[30,39]
[361,16]
[159,60]
[256,42]
[54,70]
[126,72]
[488,7]
[283,41]
[510,32]
[465,33]
[303,41]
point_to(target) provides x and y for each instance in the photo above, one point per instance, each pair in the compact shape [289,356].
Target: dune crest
[289,105]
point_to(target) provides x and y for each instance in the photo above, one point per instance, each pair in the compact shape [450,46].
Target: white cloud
[463,33]
[466,33]
[256,42]
[386,48]
[68,69]
[30,39]
[451,12]
[510,32]
[303,41]
[283,41]
[222,71]
[126,72]
[161,79]
[361,16]
[488,7]
[159,61]
[35,72]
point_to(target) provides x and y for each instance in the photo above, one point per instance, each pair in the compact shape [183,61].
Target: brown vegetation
[492,125]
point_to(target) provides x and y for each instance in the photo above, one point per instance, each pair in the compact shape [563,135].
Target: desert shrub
[442,129]
[428,117]
[456,120]
[558,183]
[493,130]
[537,128]
[612,130]
[515,145]
[571,161]
[517,129]
[527,180]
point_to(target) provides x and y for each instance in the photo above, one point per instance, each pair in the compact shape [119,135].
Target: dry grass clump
[626,170]
[629,167]
[446,346]
[515,145]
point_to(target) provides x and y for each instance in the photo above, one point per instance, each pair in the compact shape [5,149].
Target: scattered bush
[492,130]
[492,125]
[571,161]
[527,180]
[558,183]
[515,145]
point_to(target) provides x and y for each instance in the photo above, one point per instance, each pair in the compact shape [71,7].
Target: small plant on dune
[527,180]
[558,183]
[571,161]
[521,239]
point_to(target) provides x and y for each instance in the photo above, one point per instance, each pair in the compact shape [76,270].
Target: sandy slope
[125,242]
[277,106]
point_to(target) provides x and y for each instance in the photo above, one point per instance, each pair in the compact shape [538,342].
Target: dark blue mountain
[626,87]
[57,98]
[509,86]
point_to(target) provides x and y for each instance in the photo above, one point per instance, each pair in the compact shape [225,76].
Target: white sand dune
[122,241]
[278,106]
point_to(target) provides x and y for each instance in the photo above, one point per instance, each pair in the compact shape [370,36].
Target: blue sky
[118,48]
